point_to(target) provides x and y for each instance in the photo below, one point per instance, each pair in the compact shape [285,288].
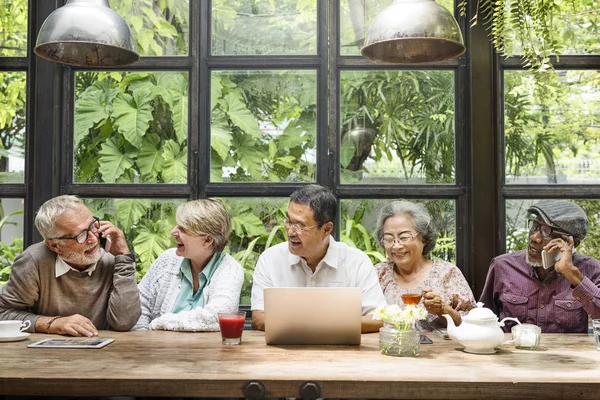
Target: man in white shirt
[312,258]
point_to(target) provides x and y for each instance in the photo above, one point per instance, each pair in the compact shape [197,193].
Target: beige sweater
[109,297]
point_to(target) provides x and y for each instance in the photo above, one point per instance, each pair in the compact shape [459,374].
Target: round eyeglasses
[389,241]
[82,236]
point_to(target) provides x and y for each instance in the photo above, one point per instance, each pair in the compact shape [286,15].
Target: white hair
[50,211]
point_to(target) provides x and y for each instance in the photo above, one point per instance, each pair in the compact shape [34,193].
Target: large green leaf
[241,115]
[248,223]
[150,159]
[249,155]
[112,162]
[132,115]
[149,243]
[129,211]
[220,139]
[175,165]
[180,118]
[91,107]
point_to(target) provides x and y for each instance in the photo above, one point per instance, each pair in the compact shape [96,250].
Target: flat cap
[562,215]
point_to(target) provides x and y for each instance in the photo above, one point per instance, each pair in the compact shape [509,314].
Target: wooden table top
[160,363]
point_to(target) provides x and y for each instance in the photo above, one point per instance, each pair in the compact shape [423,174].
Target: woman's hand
[433,303]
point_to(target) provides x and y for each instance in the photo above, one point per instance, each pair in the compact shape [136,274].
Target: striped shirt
[512,289]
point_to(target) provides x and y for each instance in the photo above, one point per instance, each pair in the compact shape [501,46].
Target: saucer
[15,338]
[472,351]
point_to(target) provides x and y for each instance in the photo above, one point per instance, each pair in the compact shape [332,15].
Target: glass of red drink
[232,326]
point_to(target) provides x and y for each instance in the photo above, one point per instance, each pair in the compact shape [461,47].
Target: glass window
[552,131]
[12,126]
[356,17]
[359,219]
[13,28]
[576,29]
[147,224]
[259,28]
[517,232]
[159,28]
[256,226]
[11,234]
[131,127]
[263,126]
[397,127]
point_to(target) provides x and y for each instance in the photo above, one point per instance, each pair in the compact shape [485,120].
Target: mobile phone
[549,259]
[105,243]
[425,339]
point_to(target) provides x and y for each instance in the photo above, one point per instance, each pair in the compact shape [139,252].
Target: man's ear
[52,245]
[328,227]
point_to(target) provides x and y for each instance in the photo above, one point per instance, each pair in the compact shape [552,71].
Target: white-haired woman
[187,286]
[407,234]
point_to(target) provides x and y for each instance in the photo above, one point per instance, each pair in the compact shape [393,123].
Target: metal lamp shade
[86,33]
[413,31]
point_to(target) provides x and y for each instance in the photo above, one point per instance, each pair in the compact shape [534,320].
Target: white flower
[402,319]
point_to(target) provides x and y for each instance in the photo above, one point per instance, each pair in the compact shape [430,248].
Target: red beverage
[231,325]
[411,299]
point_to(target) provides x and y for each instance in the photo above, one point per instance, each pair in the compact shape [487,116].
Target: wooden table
[157,363]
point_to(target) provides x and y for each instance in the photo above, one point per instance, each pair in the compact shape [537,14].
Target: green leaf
[149,243]
[91,107]
[220,139]
[129,211]
[248,223]
[112,163]
[180,118]
[175,165]
[132,115]
[150,159]
[241,115]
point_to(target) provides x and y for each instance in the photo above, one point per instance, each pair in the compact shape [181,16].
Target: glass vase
[400,343]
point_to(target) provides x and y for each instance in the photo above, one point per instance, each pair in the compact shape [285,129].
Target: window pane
[12,126]
[11,234]
[359,220]
[131,127]
[263,126]
[259,28]
[517,233]
[257,225]
[13,28]
[158,28]
[397,127]
[356,17]
[147,224]
[576,27]
[552,135]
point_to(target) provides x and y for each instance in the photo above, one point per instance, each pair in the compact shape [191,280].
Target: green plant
[8,252]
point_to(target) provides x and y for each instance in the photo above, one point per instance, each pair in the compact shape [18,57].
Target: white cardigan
[161,285]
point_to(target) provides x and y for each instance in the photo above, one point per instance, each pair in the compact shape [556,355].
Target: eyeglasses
[389,241]
[82,236]
[544,230]
[295,227]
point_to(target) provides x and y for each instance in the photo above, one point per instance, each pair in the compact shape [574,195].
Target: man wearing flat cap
[557,299]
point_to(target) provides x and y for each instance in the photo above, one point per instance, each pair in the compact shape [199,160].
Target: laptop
[313,315]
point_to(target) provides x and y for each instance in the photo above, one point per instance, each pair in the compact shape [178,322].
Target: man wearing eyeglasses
[558,298]
[312,258]
[68,284]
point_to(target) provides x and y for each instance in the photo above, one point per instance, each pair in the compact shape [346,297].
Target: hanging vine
[527,27]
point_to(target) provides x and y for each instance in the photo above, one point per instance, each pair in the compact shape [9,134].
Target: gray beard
[531,262]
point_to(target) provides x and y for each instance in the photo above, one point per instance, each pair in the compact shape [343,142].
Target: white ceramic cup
[13,328]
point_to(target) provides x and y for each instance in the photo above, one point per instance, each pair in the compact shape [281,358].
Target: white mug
[13,328]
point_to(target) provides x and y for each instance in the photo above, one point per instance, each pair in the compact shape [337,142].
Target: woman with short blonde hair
[187,286]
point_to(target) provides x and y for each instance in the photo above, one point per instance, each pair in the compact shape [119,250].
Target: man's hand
[116,236]
[258,320]
[565,265]
[74,325]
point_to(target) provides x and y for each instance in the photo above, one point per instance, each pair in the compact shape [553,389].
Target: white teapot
[479,331]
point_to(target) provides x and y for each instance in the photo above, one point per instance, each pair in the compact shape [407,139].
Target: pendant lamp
[86,33]
[413,31]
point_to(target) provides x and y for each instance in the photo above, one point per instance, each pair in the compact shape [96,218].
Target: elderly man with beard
[68,284]
[557,299]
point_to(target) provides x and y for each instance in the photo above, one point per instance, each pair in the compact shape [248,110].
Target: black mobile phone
[105,243]
[425,339]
